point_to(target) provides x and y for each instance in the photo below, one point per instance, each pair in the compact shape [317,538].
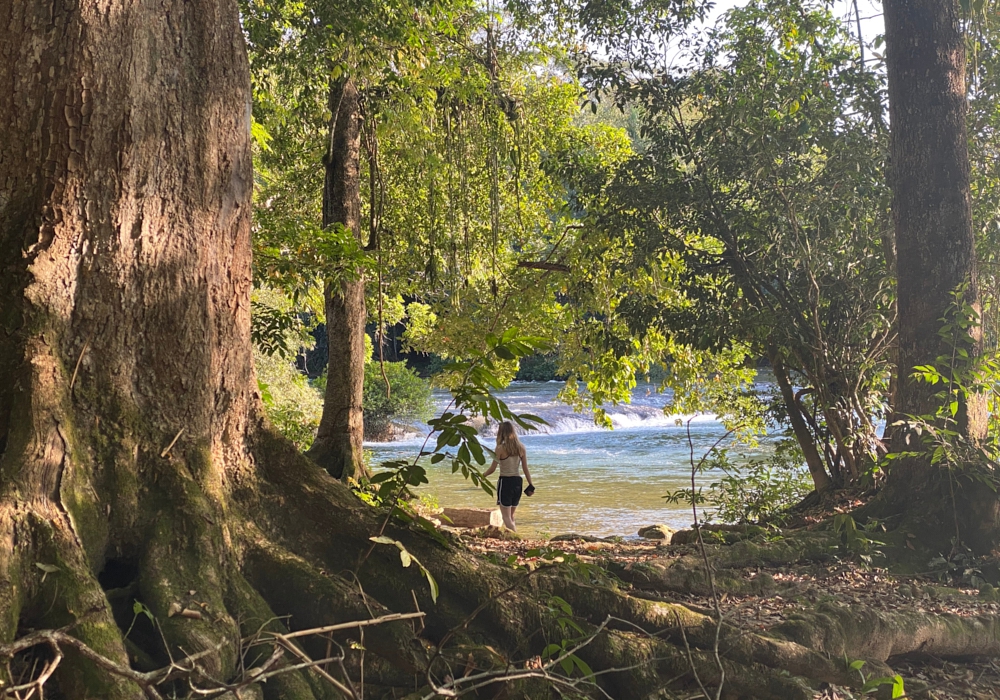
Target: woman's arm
[524,464]
[493,468]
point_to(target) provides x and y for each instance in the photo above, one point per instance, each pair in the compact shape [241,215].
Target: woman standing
[509,455]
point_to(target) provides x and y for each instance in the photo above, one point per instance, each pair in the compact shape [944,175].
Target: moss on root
[310,598]
[182,580]
[64,593]
[687,572]
[876,635]
[255,616]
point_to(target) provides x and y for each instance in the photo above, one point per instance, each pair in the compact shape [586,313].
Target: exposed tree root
[683,626]
[687,572]
[234,597]
[863,633]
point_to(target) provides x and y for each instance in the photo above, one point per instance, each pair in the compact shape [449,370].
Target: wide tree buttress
[136,462]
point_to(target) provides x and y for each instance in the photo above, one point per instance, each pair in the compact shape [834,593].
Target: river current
[589,480]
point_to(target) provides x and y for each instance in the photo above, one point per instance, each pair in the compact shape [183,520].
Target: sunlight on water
[589,480]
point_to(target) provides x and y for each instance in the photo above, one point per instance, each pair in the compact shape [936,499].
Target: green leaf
[405,558]
[551,650]
[477,450]
[873,683]
[432,583]
[504,353]
[382,539]
[140,609]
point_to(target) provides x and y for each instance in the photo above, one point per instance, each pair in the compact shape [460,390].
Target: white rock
[474,517]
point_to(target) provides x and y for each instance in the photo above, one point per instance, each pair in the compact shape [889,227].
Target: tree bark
[125,179]
[821,480]
[934,247]
[338,445]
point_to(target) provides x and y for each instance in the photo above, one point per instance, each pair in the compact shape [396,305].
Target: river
[589,480]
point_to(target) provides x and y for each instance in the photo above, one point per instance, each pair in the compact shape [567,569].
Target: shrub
[751,490]
[760,489]
[292,404]
[409,398]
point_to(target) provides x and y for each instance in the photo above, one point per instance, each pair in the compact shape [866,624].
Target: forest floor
[788,590]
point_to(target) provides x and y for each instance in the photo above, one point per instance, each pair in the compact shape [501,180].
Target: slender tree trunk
[821,480]
[338,445]
[934,247]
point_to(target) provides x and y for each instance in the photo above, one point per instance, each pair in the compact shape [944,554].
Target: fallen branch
[716,605]
[188,668]
[316,666]
[474,682]
[394,617]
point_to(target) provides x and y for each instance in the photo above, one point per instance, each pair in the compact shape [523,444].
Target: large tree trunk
[935,251]
[341,429]
[124,207]
[135,456]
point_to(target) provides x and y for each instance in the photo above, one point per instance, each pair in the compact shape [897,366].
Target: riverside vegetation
[184,188]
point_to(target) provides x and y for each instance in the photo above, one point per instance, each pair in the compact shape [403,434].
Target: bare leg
[513,525]
[508,517]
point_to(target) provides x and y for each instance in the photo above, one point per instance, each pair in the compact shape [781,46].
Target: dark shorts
[508,490]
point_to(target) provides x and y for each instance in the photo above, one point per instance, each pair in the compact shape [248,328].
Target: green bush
[750,490]
[760,489]
[409,398]
[292,404]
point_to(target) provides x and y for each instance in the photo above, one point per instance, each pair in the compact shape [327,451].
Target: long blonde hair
[507,439]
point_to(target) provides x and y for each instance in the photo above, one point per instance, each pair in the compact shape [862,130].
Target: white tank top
[509,466]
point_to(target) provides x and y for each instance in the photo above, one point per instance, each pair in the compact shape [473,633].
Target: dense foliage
[395,397]
[698,217]
[754,223]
